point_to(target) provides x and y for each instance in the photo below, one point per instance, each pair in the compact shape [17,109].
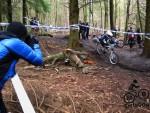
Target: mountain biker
[15,43]
[105,44]
[107,39]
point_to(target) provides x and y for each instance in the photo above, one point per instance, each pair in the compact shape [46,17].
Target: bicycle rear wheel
[120,43]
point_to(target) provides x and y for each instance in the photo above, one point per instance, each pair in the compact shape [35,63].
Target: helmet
[109,33]
[18,29]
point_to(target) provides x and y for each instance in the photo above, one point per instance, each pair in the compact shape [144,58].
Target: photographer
[15,43]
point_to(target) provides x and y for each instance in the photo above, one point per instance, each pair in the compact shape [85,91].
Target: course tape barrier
[76,26]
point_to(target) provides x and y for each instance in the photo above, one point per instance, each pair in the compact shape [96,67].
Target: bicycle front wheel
[99,49]
[113,58]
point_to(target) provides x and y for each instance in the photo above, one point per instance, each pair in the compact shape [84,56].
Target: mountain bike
[131,96]
[106,52]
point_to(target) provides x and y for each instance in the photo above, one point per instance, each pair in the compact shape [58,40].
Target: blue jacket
[11,49]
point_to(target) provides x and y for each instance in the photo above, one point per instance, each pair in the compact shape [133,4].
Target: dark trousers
[131,42]
[2,105]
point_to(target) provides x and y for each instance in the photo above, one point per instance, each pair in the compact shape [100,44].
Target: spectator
[131,37]
[32,21]
[80,29]
[83,31]
[35,23]
[114,31]
[15,43]
[87,31]
[138,38]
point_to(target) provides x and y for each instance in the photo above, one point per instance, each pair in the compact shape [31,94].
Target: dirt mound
[132,59]
[128,58]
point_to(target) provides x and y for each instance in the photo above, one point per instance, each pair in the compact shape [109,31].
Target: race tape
[75,26]
[51,27]
[4,24]
[22,95]
[123,32]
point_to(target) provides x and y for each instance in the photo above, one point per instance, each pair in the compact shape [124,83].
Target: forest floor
[65,89]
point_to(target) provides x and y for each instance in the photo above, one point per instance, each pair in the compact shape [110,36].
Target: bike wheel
[120,43]
[99,49]
[102,53]
[113,58]
[129,98]
[143,94]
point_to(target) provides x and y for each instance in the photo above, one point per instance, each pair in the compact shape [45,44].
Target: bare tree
[73,19]
[24,11]
[106,13]
[139,15]
[85,11]
[56,4]
[146,51]
[127,15]
[101,14]
[9,10]
[91,11]
[111,4]
[116,11]
[0,11]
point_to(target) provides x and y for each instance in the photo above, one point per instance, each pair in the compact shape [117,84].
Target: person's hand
[34,40]
[31,40]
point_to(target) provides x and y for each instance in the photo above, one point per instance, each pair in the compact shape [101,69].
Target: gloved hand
[104,41]
[31,40]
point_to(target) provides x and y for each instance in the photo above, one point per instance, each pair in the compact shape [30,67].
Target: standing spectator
[15,43]
[131,37]
[138,38]
[80,29]
[87,31]
[83,31]
[114,31]
[32,21]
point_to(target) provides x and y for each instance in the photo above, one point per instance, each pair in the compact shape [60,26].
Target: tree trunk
[116,12]
[24,11]
[101,14]
[73,19]
[0,11]
[119,18]
[55,12]
[90,11]
[85,11]
[106,14]
[127,15]
[37,13]
[127,19]
[9,10]
[111,4]
[139,16]
[67,53]
[146,51]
